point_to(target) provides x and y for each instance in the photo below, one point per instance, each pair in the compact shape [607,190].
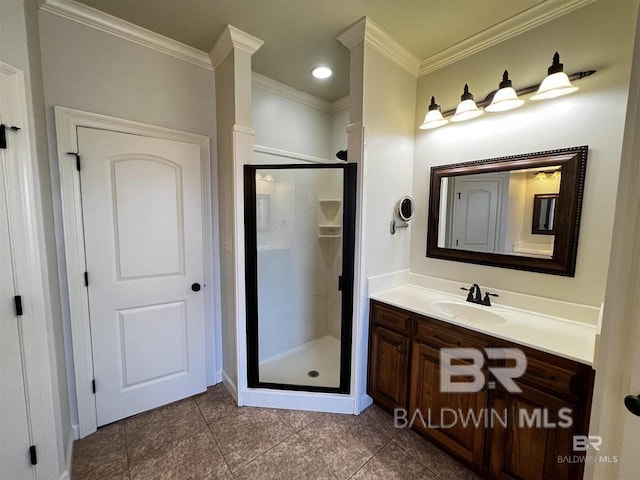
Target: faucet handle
[470,290]
[487,301]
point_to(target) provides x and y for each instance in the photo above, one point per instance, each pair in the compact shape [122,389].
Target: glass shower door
[299,240]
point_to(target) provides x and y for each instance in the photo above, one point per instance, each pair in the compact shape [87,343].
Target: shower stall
[299,241]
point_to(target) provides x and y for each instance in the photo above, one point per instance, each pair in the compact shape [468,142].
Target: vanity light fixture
[540,176]
[259,177]
[433,118]
[556,83]
[556,175]
[467,108]
[505,98]
[269,178]
[321,72]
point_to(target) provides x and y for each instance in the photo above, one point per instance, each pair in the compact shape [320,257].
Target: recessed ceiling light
[321,72]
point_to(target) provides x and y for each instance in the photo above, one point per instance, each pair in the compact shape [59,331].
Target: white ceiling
[300,34]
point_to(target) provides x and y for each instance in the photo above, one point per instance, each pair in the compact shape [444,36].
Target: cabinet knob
[632,402]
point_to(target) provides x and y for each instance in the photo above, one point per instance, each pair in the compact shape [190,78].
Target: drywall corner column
[231,59]
[617,360]
[383,81]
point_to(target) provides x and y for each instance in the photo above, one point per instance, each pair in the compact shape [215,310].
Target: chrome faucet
[475,295]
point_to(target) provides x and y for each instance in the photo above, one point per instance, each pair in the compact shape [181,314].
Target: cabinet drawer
[566,378]
[391,318]
[443,335]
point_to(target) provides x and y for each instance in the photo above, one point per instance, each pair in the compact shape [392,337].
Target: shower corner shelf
[328,218]
[329,231]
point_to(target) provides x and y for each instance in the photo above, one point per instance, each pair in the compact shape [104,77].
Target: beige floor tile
[215,403]
[101,455]
[433,457]
[393,463]
[344,442]
[194,457]
[151,430]
[381,420]
[292,459]
[248,433]
[298,419]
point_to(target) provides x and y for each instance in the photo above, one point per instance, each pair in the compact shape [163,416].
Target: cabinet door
[388,368]
[533,434]
[454,419]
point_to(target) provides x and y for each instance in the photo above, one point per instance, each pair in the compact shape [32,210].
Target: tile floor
[209,437]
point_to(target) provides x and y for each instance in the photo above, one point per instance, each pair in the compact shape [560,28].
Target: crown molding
[385,44]
[230,38]
[367,30]
[509,28]
[340,104]
[273,86]
[91,17]
[354,34]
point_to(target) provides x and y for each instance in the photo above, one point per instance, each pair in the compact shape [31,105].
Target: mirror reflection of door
[476,210]
[544,210]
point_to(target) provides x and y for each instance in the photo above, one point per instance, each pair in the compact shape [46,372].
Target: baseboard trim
[67,474]
[365,401]
[230,385]
[292,400]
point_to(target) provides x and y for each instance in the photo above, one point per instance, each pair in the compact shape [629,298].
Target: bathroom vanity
[500,433]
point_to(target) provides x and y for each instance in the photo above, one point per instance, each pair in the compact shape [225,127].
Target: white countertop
[558,336]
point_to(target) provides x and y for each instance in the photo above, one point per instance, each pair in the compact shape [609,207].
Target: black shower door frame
[251,274]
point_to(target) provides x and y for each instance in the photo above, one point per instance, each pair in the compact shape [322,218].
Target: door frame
[25,212]
[349,171]
[67,122]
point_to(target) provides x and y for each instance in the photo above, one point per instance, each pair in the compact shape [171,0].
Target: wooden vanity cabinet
[388,356]
[554,390]
[556,402]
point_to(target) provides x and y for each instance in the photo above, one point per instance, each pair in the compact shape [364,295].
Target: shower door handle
[340,284]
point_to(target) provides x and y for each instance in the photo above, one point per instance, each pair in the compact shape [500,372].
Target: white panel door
[14,429]
[476,206]
[142,213]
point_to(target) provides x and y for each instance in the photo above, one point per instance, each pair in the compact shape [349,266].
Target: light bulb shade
[556,175]
[433,118]
[554,85]
[505,99]
[467,109]
[540,176]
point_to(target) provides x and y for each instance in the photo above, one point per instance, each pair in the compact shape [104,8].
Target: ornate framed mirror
[521,211]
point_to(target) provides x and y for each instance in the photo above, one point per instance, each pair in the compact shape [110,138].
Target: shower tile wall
[297,271]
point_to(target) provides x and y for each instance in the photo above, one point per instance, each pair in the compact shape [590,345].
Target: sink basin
[468,313]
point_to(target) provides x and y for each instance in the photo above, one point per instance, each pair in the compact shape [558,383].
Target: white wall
[298,271]
[93,71]
[598,36]
[383,96]
[20,48]
[289,125]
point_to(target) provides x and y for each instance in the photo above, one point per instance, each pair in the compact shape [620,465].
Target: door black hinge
[458,195]
[17,300]
[86,279]
[456,242]
[93,385]
[77,155]
[3,134]
[33,455]
[340,283]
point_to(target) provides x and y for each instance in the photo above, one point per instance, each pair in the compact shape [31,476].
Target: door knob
[632,402]
[195,287]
